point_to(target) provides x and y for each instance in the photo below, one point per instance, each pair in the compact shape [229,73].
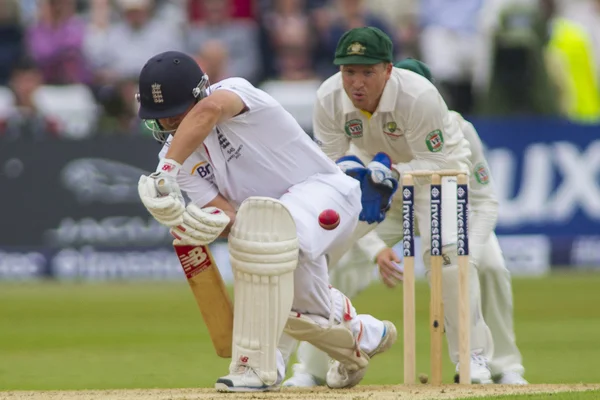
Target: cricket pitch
[415,392]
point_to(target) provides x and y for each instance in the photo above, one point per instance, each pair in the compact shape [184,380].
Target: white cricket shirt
[411,124]
[481,186]
[483,203]
[262,152]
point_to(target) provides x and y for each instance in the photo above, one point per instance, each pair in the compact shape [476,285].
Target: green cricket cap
[367,45]
[415,66]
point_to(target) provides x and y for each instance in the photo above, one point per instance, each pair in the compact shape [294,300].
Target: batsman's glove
[161,195]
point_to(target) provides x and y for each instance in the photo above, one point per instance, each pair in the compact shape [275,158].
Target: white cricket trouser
[312,290]
[354,273]
[497,305]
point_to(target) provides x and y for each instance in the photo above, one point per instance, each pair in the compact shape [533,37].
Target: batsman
[377,108]
[254,176]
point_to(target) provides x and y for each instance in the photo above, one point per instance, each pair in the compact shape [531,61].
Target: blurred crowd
[68,68]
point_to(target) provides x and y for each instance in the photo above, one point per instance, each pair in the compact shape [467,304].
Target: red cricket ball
[329,219]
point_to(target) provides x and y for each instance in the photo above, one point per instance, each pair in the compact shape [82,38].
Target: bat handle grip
[165,186]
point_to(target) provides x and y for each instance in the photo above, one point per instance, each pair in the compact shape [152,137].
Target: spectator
[404,18]
[28,10]
[345,15]
[240,9]
[451,45]
[587,13]
[11,38]
[519,80]
[240,37]
[289,45]
[570,62]
[25,120]
[118,51]
[213,59]
[55,42]
[120,108]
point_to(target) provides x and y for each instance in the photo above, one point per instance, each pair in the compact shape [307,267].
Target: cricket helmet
[169,84]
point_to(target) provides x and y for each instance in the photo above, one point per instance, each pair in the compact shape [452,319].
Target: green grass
[94,336]
[589,395]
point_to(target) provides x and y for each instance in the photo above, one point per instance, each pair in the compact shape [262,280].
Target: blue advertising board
[84,219]
[546,174]
[547,178]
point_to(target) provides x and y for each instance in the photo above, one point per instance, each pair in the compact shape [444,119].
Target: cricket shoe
[244,379]
[480,371]
[301,378]
[338,376]
[511,378]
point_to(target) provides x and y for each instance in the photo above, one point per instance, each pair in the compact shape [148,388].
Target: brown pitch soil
[416,392]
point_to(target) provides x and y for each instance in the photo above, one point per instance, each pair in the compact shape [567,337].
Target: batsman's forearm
[226,231]
[193,130]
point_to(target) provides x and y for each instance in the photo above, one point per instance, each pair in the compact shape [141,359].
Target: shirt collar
[387,103]
[347,105]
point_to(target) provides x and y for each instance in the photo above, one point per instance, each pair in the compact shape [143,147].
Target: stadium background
[88,281]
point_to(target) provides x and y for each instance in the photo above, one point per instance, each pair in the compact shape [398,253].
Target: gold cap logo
[356,49]
[157,93]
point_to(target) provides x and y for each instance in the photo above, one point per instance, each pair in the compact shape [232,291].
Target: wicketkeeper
[354,271]
[378,108]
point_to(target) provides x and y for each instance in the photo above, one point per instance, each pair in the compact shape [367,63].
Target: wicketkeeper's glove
[377,183]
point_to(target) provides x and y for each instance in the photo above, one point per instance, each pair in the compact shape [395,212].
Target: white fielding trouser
[493,334]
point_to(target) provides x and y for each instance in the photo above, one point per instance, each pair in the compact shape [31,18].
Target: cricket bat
[208,288]
[210,293]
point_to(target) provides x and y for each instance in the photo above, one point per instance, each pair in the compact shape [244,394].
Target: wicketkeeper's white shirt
[412,124]
[483,202]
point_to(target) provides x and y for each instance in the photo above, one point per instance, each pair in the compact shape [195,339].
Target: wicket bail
[436,303]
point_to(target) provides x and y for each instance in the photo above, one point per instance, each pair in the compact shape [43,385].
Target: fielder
[378,108]
[253,175]
[355,270]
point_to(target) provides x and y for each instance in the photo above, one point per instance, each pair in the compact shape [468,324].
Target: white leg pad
[263,249]
[334,336]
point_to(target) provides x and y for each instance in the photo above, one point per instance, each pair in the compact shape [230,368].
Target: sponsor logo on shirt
[481,173]
[204,171]
[435,141]
[391,129]
[354,128]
